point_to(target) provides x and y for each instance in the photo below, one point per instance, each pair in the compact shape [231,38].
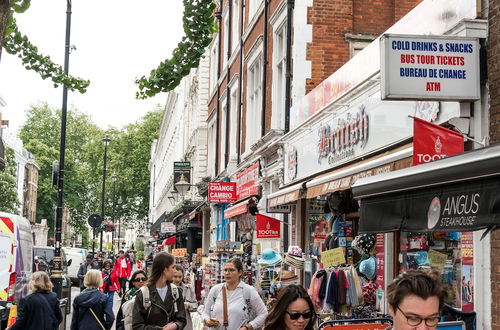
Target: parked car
[16,248]
[77,255]
[43,259]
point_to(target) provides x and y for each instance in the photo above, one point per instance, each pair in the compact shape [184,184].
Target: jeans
[110,298]
[123,285]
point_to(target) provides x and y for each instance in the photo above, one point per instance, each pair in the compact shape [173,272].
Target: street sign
[182,171]
[168,227]
[94,220]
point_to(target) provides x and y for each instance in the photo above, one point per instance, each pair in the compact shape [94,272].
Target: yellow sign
[205,261]
[258,248]
[333,257]
[179,252]
[437,259]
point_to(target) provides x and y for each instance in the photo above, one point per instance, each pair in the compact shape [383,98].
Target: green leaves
[17,43]
[199,24]
[8,185]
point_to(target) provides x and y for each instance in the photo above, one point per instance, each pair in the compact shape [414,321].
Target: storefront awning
[345,177]
[237,209]
[286,195]
[458,193]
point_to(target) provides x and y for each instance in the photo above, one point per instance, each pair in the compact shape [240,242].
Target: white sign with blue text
[429,68]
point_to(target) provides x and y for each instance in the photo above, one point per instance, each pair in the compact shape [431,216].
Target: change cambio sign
[222,192]
[429,67]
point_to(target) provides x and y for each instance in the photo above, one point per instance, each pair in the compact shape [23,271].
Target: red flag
[267,227]
[432,142]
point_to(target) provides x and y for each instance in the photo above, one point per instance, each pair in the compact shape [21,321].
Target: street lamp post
[113,177]
[56,274]
[106,141]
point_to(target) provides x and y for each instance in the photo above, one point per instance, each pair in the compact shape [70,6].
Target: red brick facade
[494,89]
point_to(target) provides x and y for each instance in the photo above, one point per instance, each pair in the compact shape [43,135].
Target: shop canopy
[458,193]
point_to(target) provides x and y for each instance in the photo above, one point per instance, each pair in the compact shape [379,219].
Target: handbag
[224,307]
[97,319]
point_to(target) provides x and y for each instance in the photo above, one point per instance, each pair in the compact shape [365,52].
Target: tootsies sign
[467,206]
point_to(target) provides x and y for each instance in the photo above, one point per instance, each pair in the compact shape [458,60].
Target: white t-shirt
[162,292]
[236,307]
[124,263]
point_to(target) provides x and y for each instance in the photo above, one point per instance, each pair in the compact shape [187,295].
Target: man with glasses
[415,300]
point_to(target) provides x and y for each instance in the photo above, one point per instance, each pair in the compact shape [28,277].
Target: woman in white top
[245,308]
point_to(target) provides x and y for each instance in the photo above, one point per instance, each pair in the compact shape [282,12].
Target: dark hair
[161,261]
[420,283]
[237,263]
[134,275]
[276,317]
[180,268]
[121,251]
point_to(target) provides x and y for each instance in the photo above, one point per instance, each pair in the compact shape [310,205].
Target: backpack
[247,293]
[128,306]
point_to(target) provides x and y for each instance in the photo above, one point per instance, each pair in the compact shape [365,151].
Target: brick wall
[494,88]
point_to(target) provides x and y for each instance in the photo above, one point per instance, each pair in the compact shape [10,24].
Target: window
[233,129]
[357,42]
[212,141]
[254,95]
[223,136]
[235,29]
[253,6]
[213,66]
[226,38]
[279,77]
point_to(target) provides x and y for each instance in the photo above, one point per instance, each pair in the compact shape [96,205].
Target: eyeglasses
[295,315]
[229,270]
[140,279]
[415,320]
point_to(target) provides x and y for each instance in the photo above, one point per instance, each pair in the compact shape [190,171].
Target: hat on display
[295,250]
[422,258]
[269,257]
[367,267]
[294,257]
[364,243]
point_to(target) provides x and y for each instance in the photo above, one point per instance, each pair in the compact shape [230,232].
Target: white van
[16,249]
[78,256]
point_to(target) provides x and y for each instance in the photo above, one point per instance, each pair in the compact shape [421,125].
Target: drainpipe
[264,70]
[288,65]
[218,15]
[240,80]
[228,90]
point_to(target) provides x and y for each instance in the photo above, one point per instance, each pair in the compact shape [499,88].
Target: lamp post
[113,177]
[56,274]
[106,141]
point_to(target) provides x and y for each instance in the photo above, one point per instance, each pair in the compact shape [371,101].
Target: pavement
[75,291]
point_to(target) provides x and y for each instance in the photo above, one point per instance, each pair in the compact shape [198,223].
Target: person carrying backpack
[159,305]
[124,316]
[234,305]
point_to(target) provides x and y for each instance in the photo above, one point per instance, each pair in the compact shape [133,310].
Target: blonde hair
[40,282]
[93,279]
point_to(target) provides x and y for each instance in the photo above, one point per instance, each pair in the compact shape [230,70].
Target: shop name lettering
[460,210]
[457,62]
[337,143]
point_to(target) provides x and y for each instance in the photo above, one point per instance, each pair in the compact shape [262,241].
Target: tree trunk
[4,13]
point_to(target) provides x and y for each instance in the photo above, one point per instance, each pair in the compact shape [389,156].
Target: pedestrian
[137,280]
[90,308]
[123,268]
[165,306]
[415,299]
[84,268]
[39,310]
[110,282]
[293,310]
[188,294]
[241,308]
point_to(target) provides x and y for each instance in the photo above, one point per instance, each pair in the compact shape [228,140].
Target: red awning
[170,241]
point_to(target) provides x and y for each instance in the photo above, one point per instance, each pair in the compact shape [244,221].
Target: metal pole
[113,214]
[106,141]
[56,275]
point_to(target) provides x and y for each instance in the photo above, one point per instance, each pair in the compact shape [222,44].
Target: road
[75,291]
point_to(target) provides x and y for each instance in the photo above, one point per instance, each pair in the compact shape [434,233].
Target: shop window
[451,254]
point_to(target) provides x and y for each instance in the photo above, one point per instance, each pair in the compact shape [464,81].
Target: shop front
[439,212]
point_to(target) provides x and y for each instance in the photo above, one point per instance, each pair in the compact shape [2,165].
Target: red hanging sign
[432,142]
[267,227]
[222,192]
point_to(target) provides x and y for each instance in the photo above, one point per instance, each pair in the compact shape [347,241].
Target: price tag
[333,257]
[179,252]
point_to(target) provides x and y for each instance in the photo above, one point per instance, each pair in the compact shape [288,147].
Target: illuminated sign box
[429,68]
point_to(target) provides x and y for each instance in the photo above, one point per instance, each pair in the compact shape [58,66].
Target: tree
[41,136]
[8,187]
[16,43]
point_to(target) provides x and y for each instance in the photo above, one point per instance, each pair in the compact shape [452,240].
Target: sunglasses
[140,279]
[295,316]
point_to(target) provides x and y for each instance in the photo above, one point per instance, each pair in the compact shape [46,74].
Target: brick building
[494,89]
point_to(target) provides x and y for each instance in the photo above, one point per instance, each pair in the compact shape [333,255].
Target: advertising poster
[467,280]
[379,255]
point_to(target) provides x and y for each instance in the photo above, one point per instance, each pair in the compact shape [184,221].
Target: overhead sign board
[182,172]
[222,192]
[247,181]
[426,67]
[167,227]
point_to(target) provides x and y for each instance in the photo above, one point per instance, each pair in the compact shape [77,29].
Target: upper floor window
[254,97]
[235,24]
[213,66]
[279,77]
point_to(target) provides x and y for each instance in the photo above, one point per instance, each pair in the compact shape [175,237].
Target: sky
[116,41]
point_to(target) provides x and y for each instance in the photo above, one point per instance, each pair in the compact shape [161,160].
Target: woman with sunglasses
[137,280]
[294,310]
[234,305]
